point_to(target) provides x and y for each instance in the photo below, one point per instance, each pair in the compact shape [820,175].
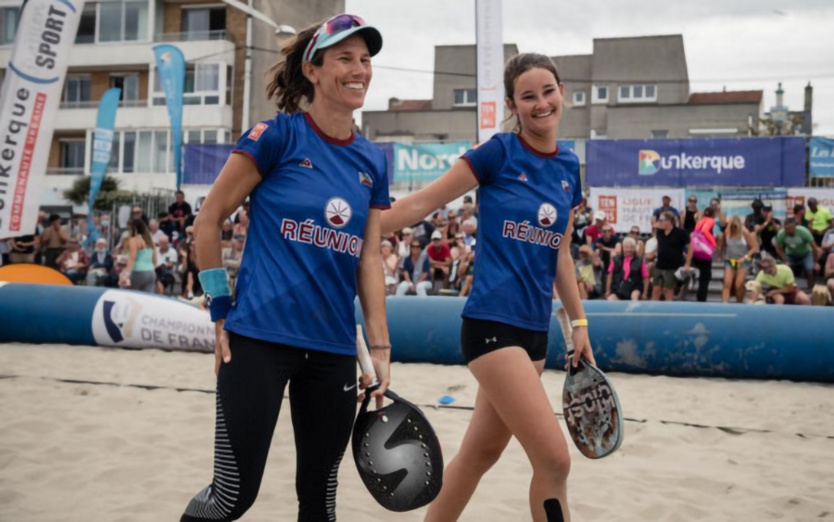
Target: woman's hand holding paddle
[582,346]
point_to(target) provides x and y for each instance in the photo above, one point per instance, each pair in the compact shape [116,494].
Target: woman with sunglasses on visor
[527,189]
[312,244]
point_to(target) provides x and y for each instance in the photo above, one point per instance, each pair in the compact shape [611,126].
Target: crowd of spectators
[151,255]
[762,257]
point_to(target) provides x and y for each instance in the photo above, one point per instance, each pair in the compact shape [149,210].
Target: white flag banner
[31,95]
[626,208]
[490,52]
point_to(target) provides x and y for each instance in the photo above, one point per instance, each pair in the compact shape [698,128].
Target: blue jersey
[526,198]
[297,279]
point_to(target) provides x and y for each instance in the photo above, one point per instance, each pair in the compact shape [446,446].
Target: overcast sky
[740,44]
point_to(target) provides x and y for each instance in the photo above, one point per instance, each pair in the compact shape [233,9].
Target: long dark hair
[289,86]
[138,227]
[518,65]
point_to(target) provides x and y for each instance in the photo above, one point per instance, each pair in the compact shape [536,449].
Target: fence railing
[193,36]
[65,171]
[92,104]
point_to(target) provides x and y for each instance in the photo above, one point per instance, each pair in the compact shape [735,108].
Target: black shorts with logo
[479,337]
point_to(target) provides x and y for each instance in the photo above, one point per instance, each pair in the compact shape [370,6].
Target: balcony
[111,54]
[136,114]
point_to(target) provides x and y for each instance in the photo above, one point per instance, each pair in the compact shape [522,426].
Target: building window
[128,83]
[76,91]
[115,21]
[202,85]
[466,97]
[72,156]
[203,23]
[129,155]
[9,17]
[637,93]
[660,134]
[599,94]
[87,25]
[207,136]
[578,98]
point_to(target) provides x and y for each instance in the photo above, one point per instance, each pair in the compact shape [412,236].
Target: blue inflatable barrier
[677,339]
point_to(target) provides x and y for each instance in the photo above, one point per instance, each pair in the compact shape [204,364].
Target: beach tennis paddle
[589,402]
[395,448]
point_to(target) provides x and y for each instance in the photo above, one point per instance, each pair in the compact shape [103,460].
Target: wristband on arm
[218,296]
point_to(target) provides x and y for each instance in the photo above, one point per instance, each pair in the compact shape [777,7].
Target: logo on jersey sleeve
[566,186]
[337,211]
[257,130]
[307,164]
[522,177]
[547,214]
[366,179]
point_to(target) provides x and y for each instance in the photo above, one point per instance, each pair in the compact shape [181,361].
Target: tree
[107,195]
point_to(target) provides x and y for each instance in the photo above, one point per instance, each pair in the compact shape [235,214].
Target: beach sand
[74,451]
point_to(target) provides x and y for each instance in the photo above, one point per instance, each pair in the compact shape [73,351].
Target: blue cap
[340,27]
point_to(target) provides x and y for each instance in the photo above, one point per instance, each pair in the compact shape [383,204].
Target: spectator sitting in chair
[467,274]
[795,246]
[440,258]
[73,262]
[594,231]
[166,259]
[415,281]
[799,215]
[767,231]
[818,219]
[167,225]
[156,232]
[100,272]
[829,274]
[778,283]
[54,240]
[628,275]
[586,277]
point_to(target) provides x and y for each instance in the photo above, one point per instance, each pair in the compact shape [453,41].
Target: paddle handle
[567,330]
[363,355]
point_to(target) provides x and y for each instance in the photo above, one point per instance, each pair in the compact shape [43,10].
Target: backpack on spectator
[702,247]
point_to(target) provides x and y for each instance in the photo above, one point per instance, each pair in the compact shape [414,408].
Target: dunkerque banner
[31,94]
[821,164]
[697,162]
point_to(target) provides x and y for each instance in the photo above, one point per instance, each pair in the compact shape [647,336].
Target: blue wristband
[218,296]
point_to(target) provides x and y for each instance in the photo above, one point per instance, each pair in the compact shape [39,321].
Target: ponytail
[289,86]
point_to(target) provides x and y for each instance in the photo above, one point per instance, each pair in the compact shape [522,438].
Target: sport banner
[31,95]
[626,208]
[490,60]
[170,64]
[771,162]
[821,164]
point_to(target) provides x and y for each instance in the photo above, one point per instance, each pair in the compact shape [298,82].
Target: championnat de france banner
[626,208]
[821,164]
[776,162]
[31,95]
[490,60]
[170,64]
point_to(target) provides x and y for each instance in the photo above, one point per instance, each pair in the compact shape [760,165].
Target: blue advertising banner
[387,148]
[102,145]
[204,162]
[421,163]
[697,162]
[170,64]
[822,158]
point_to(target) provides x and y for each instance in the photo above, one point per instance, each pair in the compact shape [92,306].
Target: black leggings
[250,389]
[705,276]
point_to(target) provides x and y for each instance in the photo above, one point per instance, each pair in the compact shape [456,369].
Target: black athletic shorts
[479,337]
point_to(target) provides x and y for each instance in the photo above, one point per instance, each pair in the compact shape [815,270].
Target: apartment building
[113,48]
[634,87]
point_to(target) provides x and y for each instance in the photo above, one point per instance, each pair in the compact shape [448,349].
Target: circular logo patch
[547,215]
[337,212]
